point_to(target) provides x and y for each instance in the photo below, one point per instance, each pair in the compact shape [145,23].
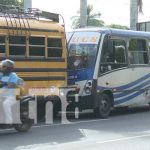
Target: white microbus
[111,68]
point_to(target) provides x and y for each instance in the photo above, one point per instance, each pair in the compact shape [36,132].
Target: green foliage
[117,26]
[12,2]
[75,22]
[95,22]
[93,19]
[133,44]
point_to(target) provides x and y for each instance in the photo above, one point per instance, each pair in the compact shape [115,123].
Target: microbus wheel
[104,108]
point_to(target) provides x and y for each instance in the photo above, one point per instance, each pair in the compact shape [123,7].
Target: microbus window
[2,45]
[149,49]
[37,46]
[113,54]
[17,45]
[54,47]
[138,51]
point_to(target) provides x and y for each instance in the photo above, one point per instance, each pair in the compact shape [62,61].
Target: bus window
[138,51]
[17,45]
[36,51]
[120,54]
[2,45]
[36,46]
[113,54]
[105,51]
[17,40]
[54,47]
[149,49]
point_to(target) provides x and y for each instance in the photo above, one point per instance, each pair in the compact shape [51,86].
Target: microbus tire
[104,108]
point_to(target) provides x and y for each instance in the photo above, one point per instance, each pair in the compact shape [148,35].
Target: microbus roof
[115,32]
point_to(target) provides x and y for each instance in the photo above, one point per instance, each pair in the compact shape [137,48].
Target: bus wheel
[104,108]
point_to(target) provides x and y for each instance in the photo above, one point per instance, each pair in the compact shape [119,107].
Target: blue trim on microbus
[141,86]
[123,100]
[137,86]
[123,87]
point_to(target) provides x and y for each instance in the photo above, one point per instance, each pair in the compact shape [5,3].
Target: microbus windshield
[83,49]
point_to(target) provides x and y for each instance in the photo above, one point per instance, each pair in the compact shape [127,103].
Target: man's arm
[13,81]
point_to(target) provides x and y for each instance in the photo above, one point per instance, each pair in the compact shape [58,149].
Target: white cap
[8,63]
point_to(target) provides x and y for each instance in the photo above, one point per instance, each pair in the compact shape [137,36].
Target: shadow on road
[119,122]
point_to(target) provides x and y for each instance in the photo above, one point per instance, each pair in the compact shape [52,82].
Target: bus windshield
[82,55]
[82,50]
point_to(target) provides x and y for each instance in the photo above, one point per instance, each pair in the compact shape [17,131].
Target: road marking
[123,139]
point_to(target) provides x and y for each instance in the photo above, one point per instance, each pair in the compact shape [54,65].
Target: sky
[112,11]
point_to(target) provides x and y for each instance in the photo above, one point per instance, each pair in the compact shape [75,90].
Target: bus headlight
[87,90]
[88,87]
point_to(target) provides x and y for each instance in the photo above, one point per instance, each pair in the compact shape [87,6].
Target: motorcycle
[26,122]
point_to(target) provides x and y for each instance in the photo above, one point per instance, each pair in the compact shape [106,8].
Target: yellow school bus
[35,40]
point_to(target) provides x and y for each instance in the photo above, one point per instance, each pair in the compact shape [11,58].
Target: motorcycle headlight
[54,90]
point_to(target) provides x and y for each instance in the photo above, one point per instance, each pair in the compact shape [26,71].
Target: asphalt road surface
[123,130]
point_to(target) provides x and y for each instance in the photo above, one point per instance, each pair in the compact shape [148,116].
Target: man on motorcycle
[8,82]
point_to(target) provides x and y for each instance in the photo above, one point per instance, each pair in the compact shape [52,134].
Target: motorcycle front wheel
[23,127]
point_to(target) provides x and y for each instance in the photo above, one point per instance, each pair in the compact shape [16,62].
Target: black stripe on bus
[57,59]
[40,70]
[52,78]
[28,29]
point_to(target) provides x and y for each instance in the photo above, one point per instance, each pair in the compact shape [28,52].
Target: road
[128,129]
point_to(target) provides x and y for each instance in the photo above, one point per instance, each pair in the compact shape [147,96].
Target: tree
[12,2]
[93,19]
[117,26]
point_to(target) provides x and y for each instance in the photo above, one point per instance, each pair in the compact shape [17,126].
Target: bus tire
[104,108]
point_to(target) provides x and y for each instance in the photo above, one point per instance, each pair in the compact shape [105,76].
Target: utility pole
[27,4]
[133,14]
[83,13]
